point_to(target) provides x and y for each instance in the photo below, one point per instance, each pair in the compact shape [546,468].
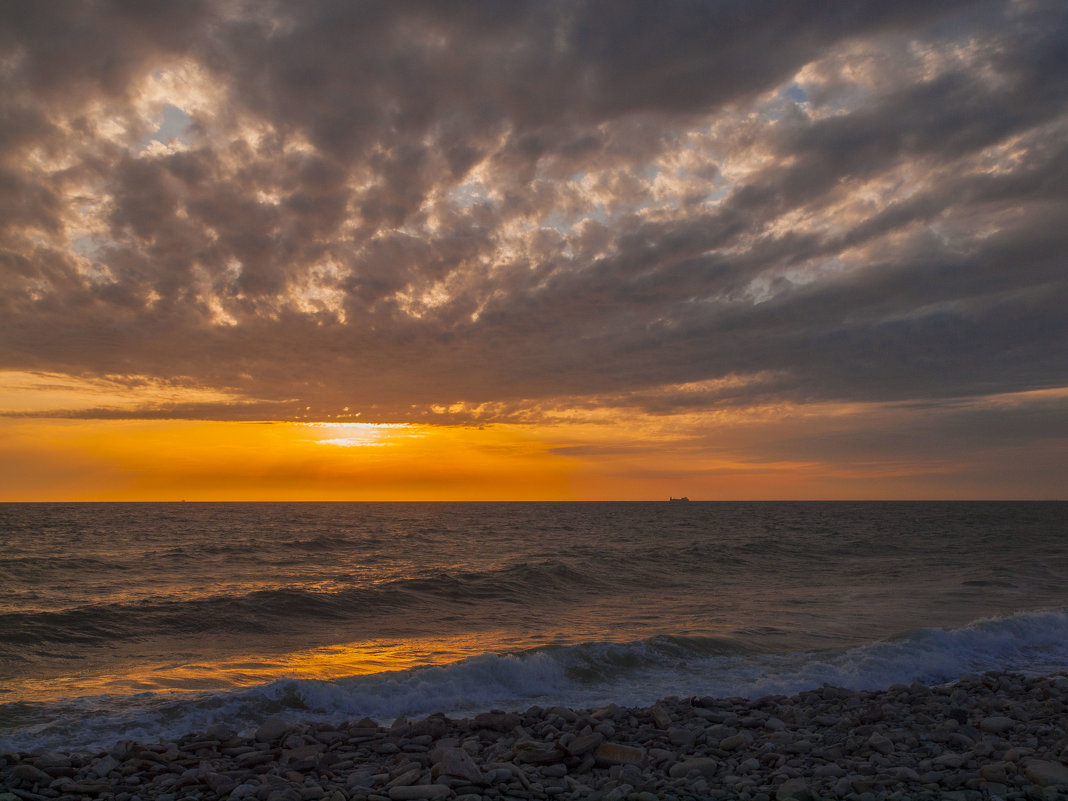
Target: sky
[575,250]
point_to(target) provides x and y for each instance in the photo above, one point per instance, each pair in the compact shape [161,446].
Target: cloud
[388,207]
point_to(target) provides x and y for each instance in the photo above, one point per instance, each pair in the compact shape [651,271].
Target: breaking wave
[585,675]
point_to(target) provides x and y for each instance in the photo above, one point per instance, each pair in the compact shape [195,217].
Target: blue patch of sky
[172,127]
[719,194]
[786,98]
[468,194]
[90,245]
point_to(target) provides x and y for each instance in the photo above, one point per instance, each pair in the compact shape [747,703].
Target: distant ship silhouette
[683,499]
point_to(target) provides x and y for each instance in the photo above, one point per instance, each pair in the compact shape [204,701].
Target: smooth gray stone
[271,729]
[414,792]
[703,765]
[794,790]
[28,773]
[457,762]
[618,754]
[997,724]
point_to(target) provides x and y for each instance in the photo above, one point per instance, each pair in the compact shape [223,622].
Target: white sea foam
[634,674]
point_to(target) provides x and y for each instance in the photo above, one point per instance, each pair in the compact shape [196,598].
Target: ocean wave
[323,542]
[294,608]
[585,675]
[38,567]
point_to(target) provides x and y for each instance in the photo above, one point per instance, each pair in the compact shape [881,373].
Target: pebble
[31,774]
[995,736]
[793,790]
[1047,774]
[617,754]
[537,753]
[413,792]
[584,743]
[457,762]
[272,729]
[997,724]
[661,717]
[705,767]
[879,743]
[733,743]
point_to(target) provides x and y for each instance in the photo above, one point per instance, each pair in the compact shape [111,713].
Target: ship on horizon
[683,499]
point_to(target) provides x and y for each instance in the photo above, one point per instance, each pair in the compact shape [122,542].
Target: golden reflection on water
[323,663]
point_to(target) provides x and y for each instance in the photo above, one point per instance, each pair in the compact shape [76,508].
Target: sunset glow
[533,251]
[603,452]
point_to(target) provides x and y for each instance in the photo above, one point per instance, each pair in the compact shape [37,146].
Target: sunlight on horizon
[363,435]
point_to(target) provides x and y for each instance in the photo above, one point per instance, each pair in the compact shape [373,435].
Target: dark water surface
[151,619]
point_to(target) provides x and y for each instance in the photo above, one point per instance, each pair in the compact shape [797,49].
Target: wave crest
[586,675]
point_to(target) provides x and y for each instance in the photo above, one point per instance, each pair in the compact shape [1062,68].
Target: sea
[147,621]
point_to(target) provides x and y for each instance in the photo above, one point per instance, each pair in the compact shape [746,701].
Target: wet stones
[701,766]
[496,721]
[880,744]
[997,724]
[992,736]
[1047,774]
[794,790]
[537,753]
[681,737]
[419,791]
[31,774]
[660,716]
[271,729]
[457,762]
[733,743]
[617,754]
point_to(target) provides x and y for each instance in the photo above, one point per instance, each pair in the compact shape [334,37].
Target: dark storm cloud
[392,205]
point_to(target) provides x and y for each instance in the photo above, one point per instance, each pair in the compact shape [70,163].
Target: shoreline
[995,735]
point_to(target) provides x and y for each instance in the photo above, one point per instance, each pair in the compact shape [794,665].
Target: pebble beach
[989,736]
